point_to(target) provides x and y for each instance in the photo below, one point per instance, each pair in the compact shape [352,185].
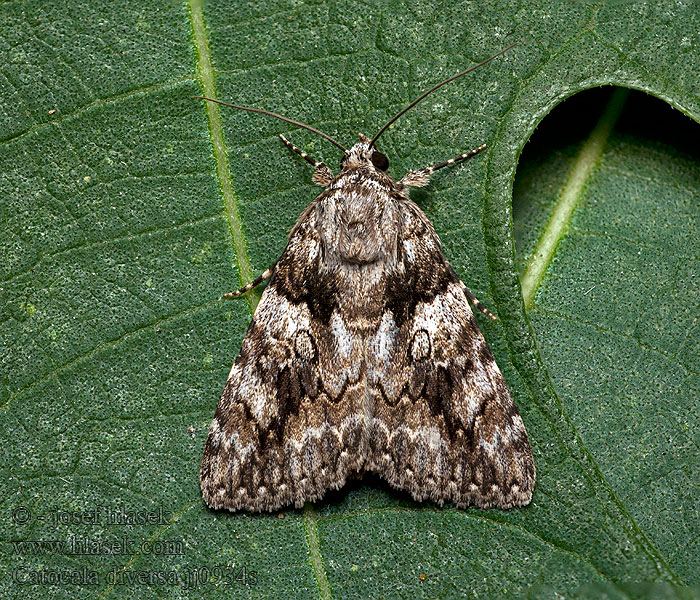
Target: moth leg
[322,174]
[474,300]
[421,177]
[246,288]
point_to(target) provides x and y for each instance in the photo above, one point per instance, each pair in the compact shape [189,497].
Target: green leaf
[129,208]
[613,298]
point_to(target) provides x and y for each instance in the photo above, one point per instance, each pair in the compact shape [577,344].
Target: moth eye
[379,160]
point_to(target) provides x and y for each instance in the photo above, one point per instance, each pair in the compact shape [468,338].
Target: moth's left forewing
[444,426]
[285,430]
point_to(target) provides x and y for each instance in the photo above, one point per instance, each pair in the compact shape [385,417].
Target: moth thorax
[367,228]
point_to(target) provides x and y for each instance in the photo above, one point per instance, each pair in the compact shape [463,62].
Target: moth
[363,355]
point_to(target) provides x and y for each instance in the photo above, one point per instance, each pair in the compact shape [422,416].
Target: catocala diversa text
[363,355]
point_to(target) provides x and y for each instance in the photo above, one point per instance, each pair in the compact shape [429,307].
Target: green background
[128,208]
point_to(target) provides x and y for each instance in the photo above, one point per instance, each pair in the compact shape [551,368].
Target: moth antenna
[280,117]
[432,89]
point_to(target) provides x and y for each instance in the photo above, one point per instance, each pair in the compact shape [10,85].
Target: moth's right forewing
[443,426]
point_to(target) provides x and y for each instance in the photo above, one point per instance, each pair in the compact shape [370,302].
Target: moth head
[364,153]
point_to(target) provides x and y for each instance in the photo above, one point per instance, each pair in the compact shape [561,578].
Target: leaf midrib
[223,173]
[580,173]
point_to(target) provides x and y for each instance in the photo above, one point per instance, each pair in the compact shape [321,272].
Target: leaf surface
[129,208]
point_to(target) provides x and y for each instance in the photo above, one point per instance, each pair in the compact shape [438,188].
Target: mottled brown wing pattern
[289,425]
[364,355]
[444,426]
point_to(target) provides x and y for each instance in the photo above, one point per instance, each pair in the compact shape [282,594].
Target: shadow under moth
[363,355]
